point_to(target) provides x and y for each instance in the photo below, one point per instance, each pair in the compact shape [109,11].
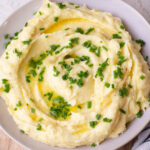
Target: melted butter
[80,22]
[82,128]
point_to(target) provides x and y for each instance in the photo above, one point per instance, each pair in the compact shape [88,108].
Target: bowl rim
[119,145]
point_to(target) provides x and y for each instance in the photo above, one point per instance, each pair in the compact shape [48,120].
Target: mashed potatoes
[73,76]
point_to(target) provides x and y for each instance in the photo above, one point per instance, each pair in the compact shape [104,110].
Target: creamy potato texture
[73,76]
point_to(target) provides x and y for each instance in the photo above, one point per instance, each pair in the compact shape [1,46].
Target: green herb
[56,71]
[85,58]
[89,30]
[121,58]
[27,42]
[139,114]
[54,47]
[48,5]
[33,73]
[123,92]
[27,79]
[39,127]
[118,73]
[6,36]
[19,104]
[56,19]
[93,124]
[71,3]
[16,33]
[42,29]
[61,5]
[79,107]
[97,52]
[67,56]
[34,13]
[146,58]
[116,36]
[76,60]
[98,116]
[93,48]
[66,66]
[65,76]
[41,75]
[148,99]
[141,42]
[46,36]
[15,109]
[87,44]
[82,74]
[130,86]
[26,24]
[89,105]
[60,108]
[105,48]
[6,85]
[122,111]
[6,44]
[18,53]
[107,84]
[107,120]
[77,6]
[101,68]
[74,40]
[7,55]
[90,65]
[71,80]
[113,86]
[79,30]
[31,99]
[122,27]
[80,82]
[32,110]
[93,145]
[40,13]
[40,119]
[122,44]
[142,77]
[22,131]
[67,28]
[138,103]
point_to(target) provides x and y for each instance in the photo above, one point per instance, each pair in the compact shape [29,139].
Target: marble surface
[8,6]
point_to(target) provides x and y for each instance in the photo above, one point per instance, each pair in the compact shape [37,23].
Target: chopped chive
[116,36]
[105,48]
[113,86]
[93,124]
[89,105]
[6,36]
[122,27]
[56,19]
[19,104]
[42,29]
[139,114]
[79,30]
[79,107]
[40,13]
[107,120]
[89,30]
[122,44]
[26,24]
[138,103]
[93,145]
[98,116]
[32,110]
[142,77]
[61,5]
[39,127]
[22,131]
[27,42]
[77,6]
[48,5]
[141,42]
[122,111]
[130,86]
[107,84]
